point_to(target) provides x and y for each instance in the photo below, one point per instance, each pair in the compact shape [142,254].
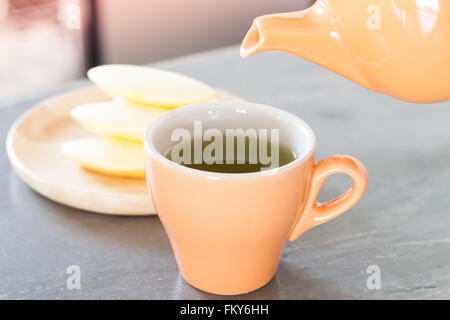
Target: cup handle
[314,212]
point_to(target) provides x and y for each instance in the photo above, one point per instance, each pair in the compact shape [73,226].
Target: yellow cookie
[108,156]
[117,119]
[149,86]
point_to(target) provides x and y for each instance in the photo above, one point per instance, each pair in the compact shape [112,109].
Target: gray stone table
[402,225]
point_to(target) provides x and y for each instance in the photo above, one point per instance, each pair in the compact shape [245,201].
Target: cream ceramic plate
[34,149]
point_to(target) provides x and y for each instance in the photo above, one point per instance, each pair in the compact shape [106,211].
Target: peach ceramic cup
[228,231]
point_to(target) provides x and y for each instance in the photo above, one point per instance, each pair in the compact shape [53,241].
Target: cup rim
[205,106]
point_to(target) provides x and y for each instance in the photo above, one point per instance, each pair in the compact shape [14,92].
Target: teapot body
[402,47]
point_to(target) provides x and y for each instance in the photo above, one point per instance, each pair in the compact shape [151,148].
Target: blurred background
[44,43]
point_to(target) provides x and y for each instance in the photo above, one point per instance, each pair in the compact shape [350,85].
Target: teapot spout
[309,34]
[269,32]
[252,42]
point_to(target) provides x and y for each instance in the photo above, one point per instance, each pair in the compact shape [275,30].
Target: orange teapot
[397,47]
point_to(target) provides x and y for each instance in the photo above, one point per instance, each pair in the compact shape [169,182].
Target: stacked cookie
[139,95]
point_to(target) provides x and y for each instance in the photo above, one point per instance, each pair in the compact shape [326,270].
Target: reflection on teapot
[397,47]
